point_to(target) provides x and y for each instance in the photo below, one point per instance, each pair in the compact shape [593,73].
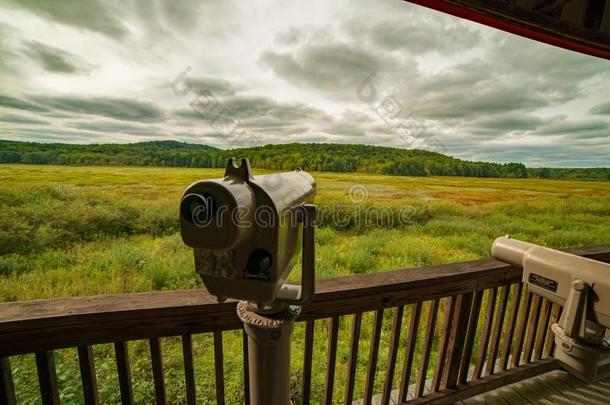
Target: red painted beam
[514,27]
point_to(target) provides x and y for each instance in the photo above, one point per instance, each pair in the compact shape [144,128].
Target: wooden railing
[455,331]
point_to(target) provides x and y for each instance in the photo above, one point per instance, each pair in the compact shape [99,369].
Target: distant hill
[310,156]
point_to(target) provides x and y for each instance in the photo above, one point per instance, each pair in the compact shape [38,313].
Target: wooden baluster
[156,355]
[423,369]
[485,333]
[246,362]
[189,369]
[45,363]
[515,301]
[87,374]
[497,330]
[124,372]
[409,352]
[455,349]
[473,324]
[219,368]
[307,360]
[550,336]
[373,355]
[543,328]
[353,359]
[7,386]
[394,342]
[532,329]
[331,360]
[444,342]
[523,318]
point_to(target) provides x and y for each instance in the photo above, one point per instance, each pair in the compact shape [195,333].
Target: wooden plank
[7,386]
[455,349]
[47,378]
[515,302]
[507,393]
[124,372]
[535,393]
[427,348]
[574,390]
[391,366]
[497,329]
[444,342]
[477,387]
[88,377]
[523,318]
[189,369]
[156,355]
[246,362]
[307,361]
[532,329]
[40,325]
[550,336]
[486,332]
[409,352]
[219,368]
[543,328]
[561,392]
[353,359]
[333,333]
[473,323]
[373,355]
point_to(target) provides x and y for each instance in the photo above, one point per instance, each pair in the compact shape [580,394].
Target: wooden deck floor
[556,387]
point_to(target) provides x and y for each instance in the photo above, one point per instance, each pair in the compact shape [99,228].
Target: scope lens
[198,209]
[259,265]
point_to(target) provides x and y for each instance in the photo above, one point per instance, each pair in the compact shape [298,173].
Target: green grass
[70,231]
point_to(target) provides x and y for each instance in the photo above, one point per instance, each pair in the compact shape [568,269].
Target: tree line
[314,157]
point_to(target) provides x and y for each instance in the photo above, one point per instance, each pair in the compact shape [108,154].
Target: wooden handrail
[40,325]
[467,301]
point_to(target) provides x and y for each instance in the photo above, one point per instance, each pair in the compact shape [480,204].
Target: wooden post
[7,387]
[457,336]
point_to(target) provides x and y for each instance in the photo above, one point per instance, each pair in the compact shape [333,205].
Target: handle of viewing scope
[295,294]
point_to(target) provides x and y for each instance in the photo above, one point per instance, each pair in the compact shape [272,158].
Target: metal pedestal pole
[268,353]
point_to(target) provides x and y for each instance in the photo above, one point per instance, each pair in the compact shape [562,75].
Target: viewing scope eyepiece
[247,232]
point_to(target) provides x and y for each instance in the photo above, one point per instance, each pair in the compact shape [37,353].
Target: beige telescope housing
[549,273]
[247,232]
[582,287]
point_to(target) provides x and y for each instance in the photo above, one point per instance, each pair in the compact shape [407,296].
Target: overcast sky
[229,74]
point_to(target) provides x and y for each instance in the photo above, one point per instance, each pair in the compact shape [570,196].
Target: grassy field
[68,231]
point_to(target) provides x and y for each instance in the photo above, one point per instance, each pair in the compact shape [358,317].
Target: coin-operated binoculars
[246,233]
[582,287]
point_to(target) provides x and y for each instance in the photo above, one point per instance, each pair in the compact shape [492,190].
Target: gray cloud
[17,104]
[325,67]
[420,36]
[54,59]
[92,15]
[20,119]
[122,109]
[249,107]
[601,109]
[211,85]
[509,122]
[114,127]
[577,129]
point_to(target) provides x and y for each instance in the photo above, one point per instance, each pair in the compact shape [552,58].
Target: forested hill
[315,157]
